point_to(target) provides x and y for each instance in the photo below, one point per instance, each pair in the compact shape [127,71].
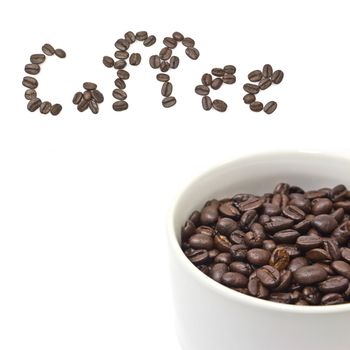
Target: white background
[84,198]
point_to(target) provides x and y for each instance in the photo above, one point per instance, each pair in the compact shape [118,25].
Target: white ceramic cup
[210,316]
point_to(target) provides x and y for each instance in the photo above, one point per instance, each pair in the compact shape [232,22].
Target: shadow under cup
[211,316]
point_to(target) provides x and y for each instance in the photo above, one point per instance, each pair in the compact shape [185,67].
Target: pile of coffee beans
[90,98]
[222,76]
[165,60]
[122,55]
[31,83]
[264,80]
[290,246]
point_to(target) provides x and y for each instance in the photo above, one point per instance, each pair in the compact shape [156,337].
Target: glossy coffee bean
[178,36]
[192,53]
[234,279]
[251,88]
[154,61]
[249,98]
[130,37]
[255,76]
[267,71]
[163,77]
[222,243]
[123,74]
[258,256]
[34,104]
[325,223]
[216,83]
[169,101]
[230,69]
[207,79]
[241,267]
[119,94]
[256,106]
[217,271]
[32,68]
[269,276]
[151,40]
[122,44]
[120,64]
[308,275]
[48,50]
[309,242]
[174,62]
[167,89]
[56,109]
[120,106]
[30,94]
[202,90]
[264,83]
[207,103]
[188,42]
[164,66]
[226,226]
[277,76]
[198,257]
[60,53]
[30,82]
[45,107]
[97,96]
[342,268]
[270,107]
[108,61]
[165,53]
[121,55]
[141,35]
[93,105]
[218,72]
[170,42]
[337,284]
[229,79]
[120,83]
[219,105]
[37,58]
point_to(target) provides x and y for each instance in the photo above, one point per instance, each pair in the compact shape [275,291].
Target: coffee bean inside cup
[289,245]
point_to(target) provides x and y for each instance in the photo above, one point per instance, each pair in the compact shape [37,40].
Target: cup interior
[258,174]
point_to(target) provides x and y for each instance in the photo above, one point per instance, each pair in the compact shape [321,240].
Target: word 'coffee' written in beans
[289,246]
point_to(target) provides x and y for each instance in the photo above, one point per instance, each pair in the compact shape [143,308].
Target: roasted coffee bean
[83,105]
[167,89]
[34,104]
[120,106]
[337,284]
[163,77]
[239,252]
[202,90]
[247,219]
[30,82]
[264,83]
[87,95]
[229,210]
[279,258]
[122,44]
[269,245]
[309,242]
[207,79]
[325,223]
[256,106]
[254,239]
[316,194]
[267,71]
[165,53]
[278,223]
[222,243]
[321,206]
[170,42]
[123,74]
[258,256]
[229,79]
[297,263]
[229,69]
[198,257]
[141,35]
[256,288]
[338,193]
[93,106]
[164,66]
[97,96]
[77,97]
[119,94]
[251,203]
[174,62]
[218,72]
[151,40]
[332,299]
[121,55]
[270,107]
[311,295]
[342,268]
[37,58]
[345,205]
[342,233]
[225,258]
[56,109]
[251,88]
[241,267]
[30,94]
[45,107]
[302,203]
[130,37]
[213,253]
[108,61]
[216,83]
[120,83]
[293,212]
[255,76]
[209,215]
[345,254]
[271,209]
[178,36]
[32,68]
[188,230]
[318,254]
[89,86]
[308,275]
[205,230]
[169,101]
[331,246]
[60,53]
[192,53]
[292,249]
[219,105]
[200,241]
[268,275]
[249,98]
[188,42]
[217,271]
[207,104]
[234,279]
[226,226]
[277,76]
[285,281]
[154,61]
[120,64]
[48,50]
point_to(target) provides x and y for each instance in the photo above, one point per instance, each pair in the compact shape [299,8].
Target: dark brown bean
[188,42]
[219,105]
[256,106]
[230,69]
[321,206]
[198,257]
[163,77]
[207,103]
[342,268]
[222,243]
[202,90]
[318,254]
[178,36]
[121,55]
[165,53]
[89,86]
[267,71]
[108,61]
[45,107]
[255,76]
[37,58]
[97,96]
[120,83]
[258,256]
[119,106]
[311,295]
[207,79]
[30,82]
[264,83]
[226,226]
[174,62]
[337,284]
[130,37]
[122,44]
[83,105]
[256,288]
[225,258]
[308,275]
[154,61]
[167,89]
[218,72]
[56,109]
[164,66]
[151,40]
[229,79]
[200,241]
[297,263]
[279,258]
[123,74]
[192,53]
[30,94]
[309,242]
[119,94]
[60,53]
[169,101]
[277,76]
[325,223]
[32,68]
[345,254]
[93,106]
[241,267]
[270,107]
[249,98]
[120,64]
[234,279]
[217,271]
[269,276]
[34,104]
[251,88]
[332,299]
[170,42]
[48,49]
[141,35]
[216,83]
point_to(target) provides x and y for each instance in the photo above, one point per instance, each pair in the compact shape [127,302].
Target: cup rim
[218,288]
